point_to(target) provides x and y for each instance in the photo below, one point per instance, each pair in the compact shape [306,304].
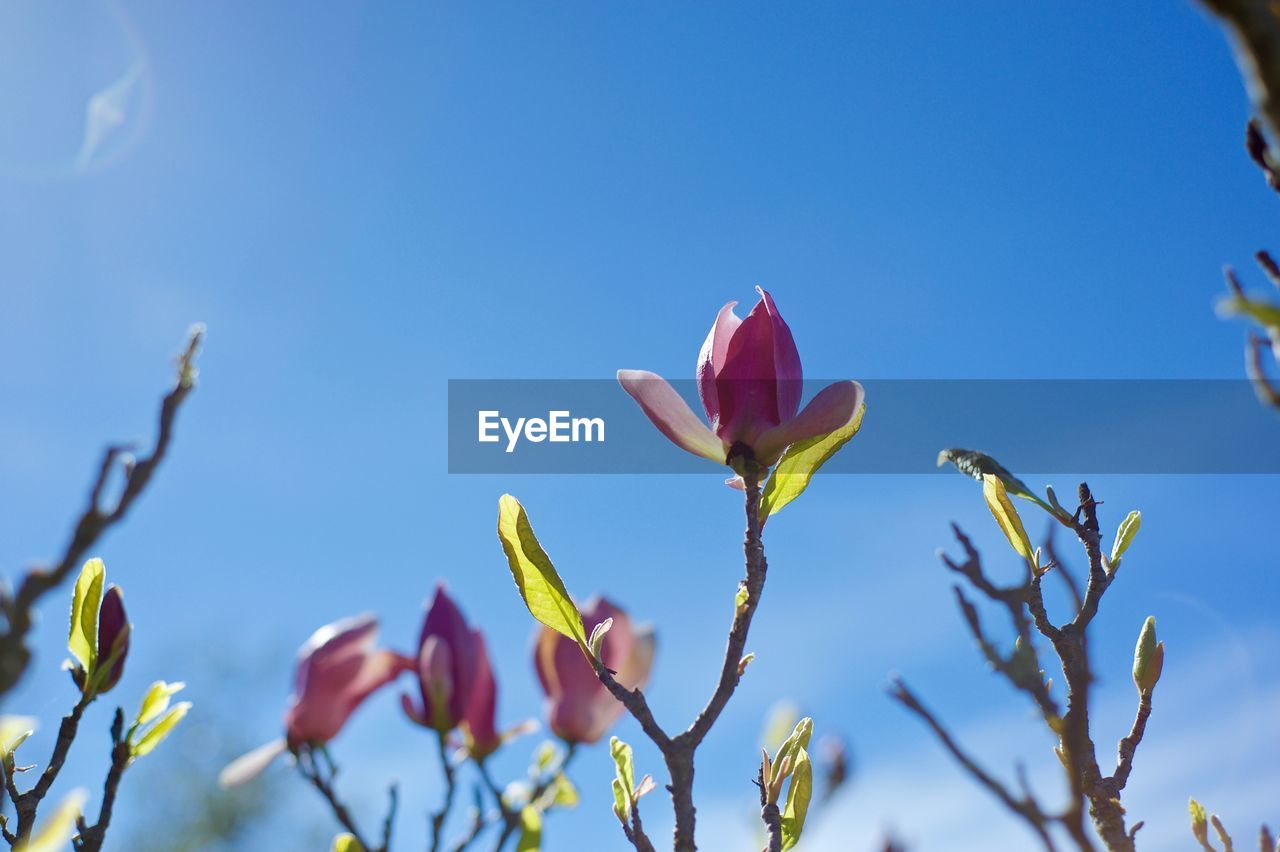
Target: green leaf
[801,461]
[85,602]
[1264,313]
[624,764]
[798,796]
[536,578]
[1007,517]
[14,731]
[157,732]
[347,843]
[976,465]
[1124,536]
[1199,822]
[56,832]
[530,830]
[791,748]
[156,701]
[544,756]
[563,793]
[621,803]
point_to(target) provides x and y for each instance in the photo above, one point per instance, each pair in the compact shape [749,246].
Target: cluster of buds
[340,667]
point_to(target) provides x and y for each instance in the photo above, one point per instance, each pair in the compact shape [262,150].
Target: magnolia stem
[438,818]
[678,751]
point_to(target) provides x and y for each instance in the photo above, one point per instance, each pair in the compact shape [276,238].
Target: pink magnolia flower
[338,668]
[458,688]
[449,659]
[579,707]
[749,380]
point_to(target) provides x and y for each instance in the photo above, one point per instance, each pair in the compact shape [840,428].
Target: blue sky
[366,202]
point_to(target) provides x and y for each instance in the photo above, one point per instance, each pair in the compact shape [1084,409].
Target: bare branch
[18,608]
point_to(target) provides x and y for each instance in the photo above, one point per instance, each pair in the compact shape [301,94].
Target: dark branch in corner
[18,608]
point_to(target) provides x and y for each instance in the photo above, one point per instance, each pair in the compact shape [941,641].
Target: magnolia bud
[1148,657]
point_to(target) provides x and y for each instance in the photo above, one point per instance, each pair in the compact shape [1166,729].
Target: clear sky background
[363,201]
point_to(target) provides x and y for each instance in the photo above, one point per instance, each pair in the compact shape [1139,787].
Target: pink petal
[711,359]
[833,407]
[786,360]
[671,414]
[249,766]
[747,386]
[482,704]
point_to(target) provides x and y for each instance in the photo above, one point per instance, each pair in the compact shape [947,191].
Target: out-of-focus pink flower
[448,660]
[478,717]
[338,668]
[580,709]
[750,381]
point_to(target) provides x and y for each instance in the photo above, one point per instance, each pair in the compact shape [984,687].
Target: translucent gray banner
[1032,426]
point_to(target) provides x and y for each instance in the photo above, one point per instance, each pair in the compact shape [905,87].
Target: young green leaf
[544,756]
[1007,517]
[14,731]
[1199,822]
[56,832]
[1124,536]
[801,461]
[785,760]
[1148,657]
[157,732]
[85,602]
[621,803]
[530,830]
[798,796]
[1264,313]
[347,843]
[156,701]
[562,792]
[623,763]
[536,578]
[976,465]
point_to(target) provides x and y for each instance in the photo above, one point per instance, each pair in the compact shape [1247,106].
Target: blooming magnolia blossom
[750,381]
[579,707]
[338,668]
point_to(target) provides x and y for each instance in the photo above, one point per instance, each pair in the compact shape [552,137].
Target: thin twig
[26,804]
[1024,806]
[438,818]
[310,769]
[91,836]
[19,607]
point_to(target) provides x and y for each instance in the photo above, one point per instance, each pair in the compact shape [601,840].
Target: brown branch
[678,751]
[1129,745]
[91,836]
[439,816]
[1256,35]
[19,607]
[26,804]
[322,780]
[1024,806]
[769,814]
